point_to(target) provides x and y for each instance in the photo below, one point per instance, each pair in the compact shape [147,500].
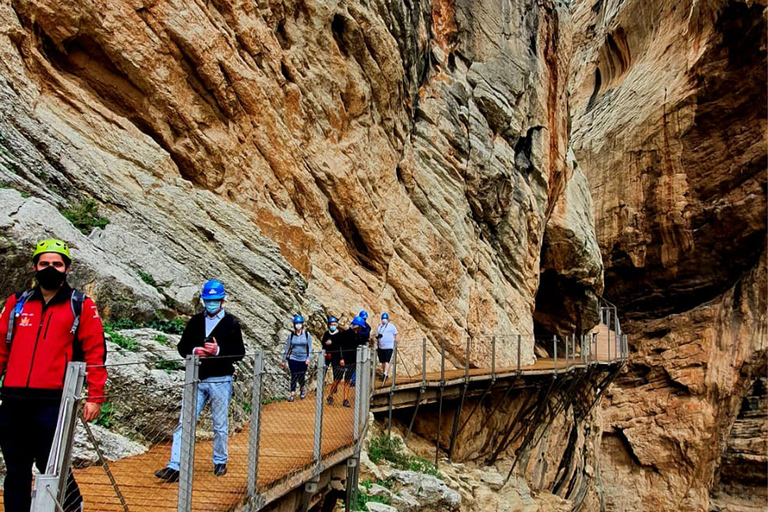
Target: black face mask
[50,278]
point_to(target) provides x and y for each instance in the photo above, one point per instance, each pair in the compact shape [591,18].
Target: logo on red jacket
[26,320]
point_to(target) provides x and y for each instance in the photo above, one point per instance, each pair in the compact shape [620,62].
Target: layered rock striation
[669,124]
[320,157]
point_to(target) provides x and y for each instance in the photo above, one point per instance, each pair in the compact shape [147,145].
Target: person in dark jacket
[214,336]
[329,343]
[41,330]
[365,331]
[348,341]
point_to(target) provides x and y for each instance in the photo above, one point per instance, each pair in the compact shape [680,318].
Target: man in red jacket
[49,326]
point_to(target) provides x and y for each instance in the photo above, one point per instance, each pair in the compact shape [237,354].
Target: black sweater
[229,337]
[348,341]
[333,349]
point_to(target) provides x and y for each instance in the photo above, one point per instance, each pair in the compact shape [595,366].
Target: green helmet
[52,245]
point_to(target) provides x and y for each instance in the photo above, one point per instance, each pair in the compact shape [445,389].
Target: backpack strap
[21,299]
[76,303]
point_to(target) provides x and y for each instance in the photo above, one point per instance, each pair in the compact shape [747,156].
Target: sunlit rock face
[317,156]
[669,124]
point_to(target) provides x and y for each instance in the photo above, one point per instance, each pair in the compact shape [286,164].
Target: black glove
[378,336]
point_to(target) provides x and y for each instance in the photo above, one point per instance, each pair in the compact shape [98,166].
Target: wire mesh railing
[418,360]
[168,440]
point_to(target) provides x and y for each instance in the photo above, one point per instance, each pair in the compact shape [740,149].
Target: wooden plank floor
[287,436]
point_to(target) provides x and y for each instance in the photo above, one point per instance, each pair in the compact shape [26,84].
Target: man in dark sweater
[216,338]
[346,343]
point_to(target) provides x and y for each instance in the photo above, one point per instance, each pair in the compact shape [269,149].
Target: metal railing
[153,401]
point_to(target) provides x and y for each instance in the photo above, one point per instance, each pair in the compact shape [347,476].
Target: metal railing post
[392,392]
[50,488]
[254,433]
[188,431]
[369,377]
[617,334]
[466,364]
[317,454]
[567,341]
[440,406]
[519,363]
[423,362]
[554,341]
[493,357]
[358,394]
[608,325]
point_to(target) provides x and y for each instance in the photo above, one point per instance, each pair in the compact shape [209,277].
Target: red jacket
[42,346]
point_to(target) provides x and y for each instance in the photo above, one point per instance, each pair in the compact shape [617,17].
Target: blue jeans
[217,391]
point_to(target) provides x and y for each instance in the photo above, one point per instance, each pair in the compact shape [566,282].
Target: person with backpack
[386,334]
[298,348]
[43,329]
[216,338]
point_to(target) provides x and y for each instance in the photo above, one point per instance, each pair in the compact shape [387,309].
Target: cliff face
[669,124]
[316,156]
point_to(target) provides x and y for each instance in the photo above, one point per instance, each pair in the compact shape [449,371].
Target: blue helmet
[298,319]
[363,314]
[384,315]
[213,290]
[358,322]
[333,319]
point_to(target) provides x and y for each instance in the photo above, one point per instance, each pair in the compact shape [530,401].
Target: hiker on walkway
[348,341]
[216,338]
[298,348]
[329,343]
[34,360]
[386,336]
[365,332]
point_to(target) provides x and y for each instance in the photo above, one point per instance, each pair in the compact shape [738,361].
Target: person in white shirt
[386,337]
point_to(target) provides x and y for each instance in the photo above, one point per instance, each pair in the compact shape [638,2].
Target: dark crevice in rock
[338,26]
[618,434]
[347,227]
[282,36]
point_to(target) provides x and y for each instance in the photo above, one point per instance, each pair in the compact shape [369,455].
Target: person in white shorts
[386,337]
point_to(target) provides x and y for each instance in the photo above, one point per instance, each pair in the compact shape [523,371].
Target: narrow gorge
[480,169]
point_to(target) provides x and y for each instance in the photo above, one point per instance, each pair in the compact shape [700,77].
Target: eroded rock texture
[669,124]
[321,156]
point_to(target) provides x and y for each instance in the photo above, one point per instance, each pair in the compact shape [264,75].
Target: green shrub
[163,340]
[175,326]
[363,498]
[147,278]
[391,449]
[168,366]
[121,341]
[84,215]
[121,324]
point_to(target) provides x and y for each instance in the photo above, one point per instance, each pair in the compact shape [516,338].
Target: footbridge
[282,456]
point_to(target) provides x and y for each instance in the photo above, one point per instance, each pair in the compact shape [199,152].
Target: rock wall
[317,156]
[541,434]
[669,125]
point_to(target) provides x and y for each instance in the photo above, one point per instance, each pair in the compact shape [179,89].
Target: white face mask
[298,326]
[384,321]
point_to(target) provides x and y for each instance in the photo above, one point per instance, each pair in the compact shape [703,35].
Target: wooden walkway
[286,443]
[408,390]
[285,458]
